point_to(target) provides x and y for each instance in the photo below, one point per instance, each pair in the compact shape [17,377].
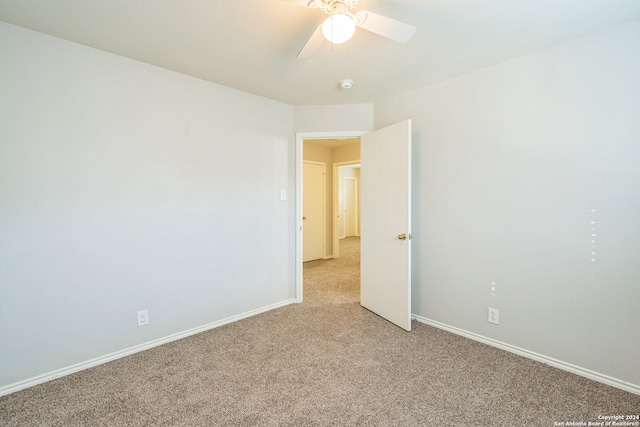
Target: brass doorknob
[402,236]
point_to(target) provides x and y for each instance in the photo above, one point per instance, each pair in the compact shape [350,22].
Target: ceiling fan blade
[386,27]
[313,44]
[306,3]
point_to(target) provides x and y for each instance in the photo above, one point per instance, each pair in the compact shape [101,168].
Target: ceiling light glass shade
[338,28]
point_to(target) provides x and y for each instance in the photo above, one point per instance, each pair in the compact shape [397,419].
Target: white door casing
[385,201]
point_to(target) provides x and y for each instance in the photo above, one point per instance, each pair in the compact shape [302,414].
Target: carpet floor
[324,362]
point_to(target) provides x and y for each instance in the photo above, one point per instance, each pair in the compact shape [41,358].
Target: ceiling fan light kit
[341,24]
[338,28]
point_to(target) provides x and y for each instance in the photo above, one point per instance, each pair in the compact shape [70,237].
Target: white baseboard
[605,379]
[12,388]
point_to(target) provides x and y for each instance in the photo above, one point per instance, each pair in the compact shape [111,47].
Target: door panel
[385,201]
[313,211]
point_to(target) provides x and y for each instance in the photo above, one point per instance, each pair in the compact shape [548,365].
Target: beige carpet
[326,361]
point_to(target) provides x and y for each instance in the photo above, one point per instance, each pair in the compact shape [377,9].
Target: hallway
[335,280]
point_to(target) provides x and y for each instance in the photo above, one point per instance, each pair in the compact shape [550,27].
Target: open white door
[385,242]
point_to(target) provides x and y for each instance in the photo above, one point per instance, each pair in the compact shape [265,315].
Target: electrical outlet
[494,316]
[143,317]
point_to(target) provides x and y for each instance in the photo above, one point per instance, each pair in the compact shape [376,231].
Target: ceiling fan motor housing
[331,6]
[342,22]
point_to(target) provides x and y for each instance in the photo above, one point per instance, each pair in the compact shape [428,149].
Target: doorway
[386,207]
[325,146]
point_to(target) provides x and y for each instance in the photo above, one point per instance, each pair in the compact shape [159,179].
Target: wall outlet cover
[143,317]
[493,316]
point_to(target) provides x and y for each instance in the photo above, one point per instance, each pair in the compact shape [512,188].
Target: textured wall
[526,199]
[126,187]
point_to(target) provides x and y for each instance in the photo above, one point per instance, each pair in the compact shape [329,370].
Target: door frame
[300,138]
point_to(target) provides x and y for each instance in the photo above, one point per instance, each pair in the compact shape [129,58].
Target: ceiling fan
[342,22]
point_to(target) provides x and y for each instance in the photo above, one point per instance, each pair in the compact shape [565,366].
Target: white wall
[333,118]
[126,187]
[522,170]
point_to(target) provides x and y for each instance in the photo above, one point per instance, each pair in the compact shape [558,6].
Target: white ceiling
[252,44]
